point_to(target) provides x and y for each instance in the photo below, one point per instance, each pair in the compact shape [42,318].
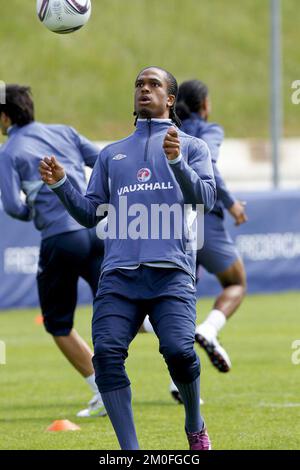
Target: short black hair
[191,97]
[172,90]
[18,106]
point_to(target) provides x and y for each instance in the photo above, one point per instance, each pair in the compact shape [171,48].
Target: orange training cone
[63,425]
[39,320]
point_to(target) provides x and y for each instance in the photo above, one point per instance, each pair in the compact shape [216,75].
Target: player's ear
[171,101]
[207,106]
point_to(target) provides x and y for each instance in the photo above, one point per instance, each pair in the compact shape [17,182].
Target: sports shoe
[176,395]
[216,353]
[199,440]
[96,408]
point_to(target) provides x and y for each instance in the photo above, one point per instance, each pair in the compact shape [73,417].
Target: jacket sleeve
[195,176]
[88,149]
[213,135]
[223,193]
[10,185]
[84,209]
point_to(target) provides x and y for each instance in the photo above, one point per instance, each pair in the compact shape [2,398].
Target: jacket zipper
[148,140]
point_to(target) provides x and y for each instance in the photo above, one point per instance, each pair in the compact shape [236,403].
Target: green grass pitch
[255,406]
[86,79]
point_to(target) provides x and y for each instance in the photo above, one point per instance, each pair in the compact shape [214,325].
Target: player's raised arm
[213,136]
[196,178]
[82,208]
[10,186]
[88,149]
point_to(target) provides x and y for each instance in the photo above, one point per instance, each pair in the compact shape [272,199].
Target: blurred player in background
[68,251]
[156,164]
[219,254]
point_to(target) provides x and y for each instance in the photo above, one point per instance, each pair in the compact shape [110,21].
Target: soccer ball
[64,16]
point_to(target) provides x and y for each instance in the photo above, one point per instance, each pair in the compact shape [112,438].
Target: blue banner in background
[269,244]
[19,254]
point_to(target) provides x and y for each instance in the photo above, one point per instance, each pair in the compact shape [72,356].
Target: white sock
[92,384]
[147,325]
[173,387]
[214,322]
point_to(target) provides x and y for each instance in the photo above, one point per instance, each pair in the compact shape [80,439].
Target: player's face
[151,95]
[3,124]
[207,107]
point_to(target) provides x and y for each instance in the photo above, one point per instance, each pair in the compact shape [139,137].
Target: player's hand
[237,210]
[51,171]
[171,144]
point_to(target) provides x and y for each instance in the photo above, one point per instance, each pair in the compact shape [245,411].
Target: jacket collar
[12,130]
[197,117]
[15,128]
[156,125]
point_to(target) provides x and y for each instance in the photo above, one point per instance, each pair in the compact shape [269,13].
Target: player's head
[18,107]
[155,94]
[193,97]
